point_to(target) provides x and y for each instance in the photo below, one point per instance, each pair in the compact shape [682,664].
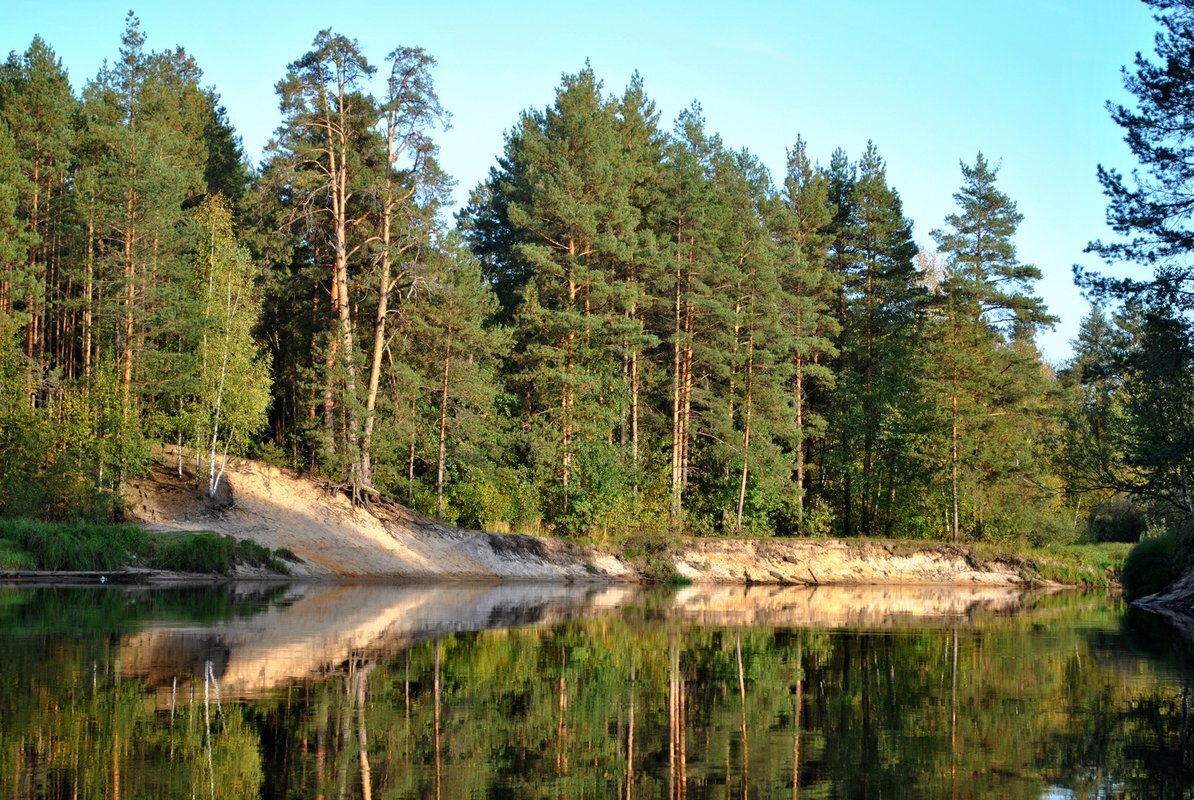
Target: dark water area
[462,691]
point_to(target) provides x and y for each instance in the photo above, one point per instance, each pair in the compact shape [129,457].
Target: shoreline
[386,543]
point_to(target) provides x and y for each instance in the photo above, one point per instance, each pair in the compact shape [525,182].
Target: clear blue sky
[930,81]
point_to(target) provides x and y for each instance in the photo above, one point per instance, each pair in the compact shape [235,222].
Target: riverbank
[383,541]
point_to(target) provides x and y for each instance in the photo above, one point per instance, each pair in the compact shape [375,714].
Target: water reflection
[542,691]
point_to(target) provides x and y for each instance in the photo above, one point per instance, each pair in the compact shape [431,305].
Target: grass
[1096,565]
[677,581]
[87,547]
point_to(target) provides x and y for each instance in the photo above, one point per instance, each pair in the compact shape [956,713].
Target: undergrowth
[88,547]
[1156,562]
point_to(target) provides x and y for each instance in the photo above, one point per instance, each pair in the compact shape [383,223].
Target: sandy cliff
[385,541]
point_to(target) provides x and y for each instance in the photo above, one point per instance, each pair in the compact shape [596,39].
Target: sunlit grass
[86,547]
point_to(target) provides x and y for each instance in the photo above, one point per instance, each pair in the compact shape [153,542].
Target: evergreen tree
[1158,442]
[1151,209]
[985,367]
[148,165]
[458,354]
[1090,453]
[15,237]
[572,216]
[700,307]
[803,228]
[36,102]
[876,414]
[408,194]
[328,119]
[641,262]
[1149,212]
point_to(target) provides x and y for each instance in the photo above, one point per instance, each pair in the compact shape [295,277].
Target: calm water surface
[558,692]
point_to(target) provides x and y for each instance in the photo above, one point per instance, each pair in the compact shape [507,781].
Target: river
[553,691]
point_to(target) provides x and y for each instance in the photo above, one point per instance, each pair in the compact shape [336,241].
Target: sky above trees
[931,82]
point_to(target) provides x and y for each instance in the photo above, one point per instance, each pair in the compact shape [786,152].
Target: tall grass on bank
[87,547]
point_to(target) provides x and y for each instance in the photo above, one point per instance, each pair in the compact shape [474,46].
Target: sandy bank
[386,541]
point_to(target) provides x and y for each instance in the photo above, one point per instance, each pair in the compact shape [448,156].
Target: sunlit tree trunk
[443,427]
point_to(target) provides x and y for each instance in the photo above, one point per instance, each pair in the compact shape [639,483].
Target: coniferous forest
[630,326]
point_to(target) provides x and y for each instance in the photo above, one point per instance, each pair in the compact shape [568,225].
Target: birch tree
[233,380]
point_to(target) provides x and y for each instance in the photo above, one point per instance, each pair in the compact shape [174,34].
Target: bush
[82,547]
[76,546]
[210,553]
[1117,519]
[1151,565]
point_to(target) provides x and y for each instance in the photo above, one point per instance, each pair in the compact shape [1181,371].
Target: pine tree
[409,192]
[803,227]
[986,367]
[143,132]
[328,120]
[36,102]
[456,351]
[15,237]
[699,309]
[1151,209]
[572,217]
[1158,442]
[877,399]
[642,260]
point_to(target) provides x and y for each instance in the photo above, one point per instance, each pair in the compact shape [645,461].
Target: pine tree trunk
[954,462]
[329,365]
[34,259]
[748,407]
[566,392]
[88,290]
[686,389]
[130,272]
[799,398]
[634,389]
[346,335]
[443,429]
[677,382]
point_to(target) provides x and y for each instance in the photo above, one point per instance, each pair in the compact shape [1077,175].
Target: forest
[630,326]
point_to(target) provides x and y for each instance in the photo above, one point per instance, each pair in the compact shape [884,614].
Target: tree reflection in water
[588,700]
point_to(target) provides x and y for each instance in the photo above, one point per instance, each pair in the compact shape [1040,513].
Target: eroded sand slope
[385,541]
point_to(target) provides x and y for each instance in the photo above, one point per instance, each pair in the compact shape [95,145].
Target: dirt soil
[386,541]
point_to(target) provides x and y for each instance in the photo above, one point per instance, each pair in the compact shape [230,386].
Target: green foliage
[1093,565]
[211,553]
[1135,433]
[1154,563]
[29,544]
[1117,519]
[676,580]
[231,384]
[632,327]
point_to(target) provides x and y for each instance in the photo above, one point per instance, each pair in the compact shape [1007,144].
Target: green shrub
[677,581]
[13,558]
[1117,519]
[1151,566]
[83,547]
[210,553]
